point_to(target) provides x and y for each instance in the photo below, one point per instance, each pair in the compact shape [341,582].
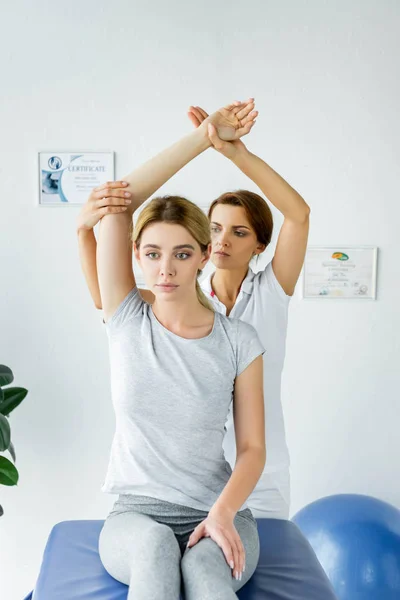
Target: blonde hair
[179,211]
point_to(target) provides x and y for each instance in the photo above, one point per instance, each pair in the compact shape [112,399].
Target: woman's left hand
[231,122]
[200,118]
[220,528]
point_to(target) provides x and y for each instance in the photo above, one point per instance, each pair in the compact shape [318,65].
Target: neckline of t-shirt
[178,337]
[238,297]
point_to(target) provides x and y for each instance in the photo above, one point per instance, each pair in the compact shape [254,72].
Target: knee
[205,572]
[204,558]
[160,542]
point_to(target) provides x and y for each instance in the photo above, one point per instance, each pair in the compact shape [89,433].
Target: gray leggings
[143,544]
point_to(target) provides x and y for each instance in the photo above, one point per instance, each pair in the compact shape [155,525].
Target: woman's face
[233,240]
[170,258]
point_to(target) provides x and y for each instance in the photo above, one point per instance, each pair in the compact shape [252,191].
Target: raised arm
[114,247]
[231,121]
[292,241]
[111,198]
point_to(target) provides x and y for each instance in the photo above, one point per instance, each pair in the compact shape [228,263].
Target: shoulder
[248,345]
[239,331]
[245,331]
[131,307]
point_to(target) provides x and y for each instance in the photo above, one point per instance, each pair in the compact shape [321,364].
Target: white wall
[120,75]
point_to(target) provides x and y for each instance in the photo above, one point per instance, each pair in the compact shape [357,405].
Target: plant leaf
[8,473]
[1,395]
[11,450]
[5,433]
[6,375]
[12,398]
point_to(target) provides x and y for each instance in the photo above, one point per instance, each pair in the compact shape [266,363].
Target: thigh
[205,572]
[134,547]
[288,568]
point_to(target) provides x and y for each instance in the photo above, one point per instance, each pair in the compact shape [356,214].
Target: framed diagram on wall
[67,178]
[340,272]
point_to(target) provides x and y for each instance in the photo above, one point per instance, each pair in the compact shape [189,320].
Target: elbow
[304,215]
[257,456]
[98,305]
[301,215]
[307,211]
[259,459]
[263,458]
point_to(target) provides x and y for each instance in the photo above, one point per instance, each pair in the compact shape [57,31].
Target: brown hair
[257,212]
[180,211]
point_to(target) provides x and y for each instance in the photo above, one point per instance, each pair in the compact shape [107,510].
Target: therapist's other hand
[199,117]
[109,198]
[222,530]
[232,121]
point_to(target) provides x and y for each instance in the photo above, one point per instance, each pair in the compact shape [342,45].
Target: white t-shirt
[263,304]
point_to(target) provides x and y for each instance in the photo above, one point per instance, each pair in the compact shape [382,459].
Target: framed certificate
[67,178]
[340,272]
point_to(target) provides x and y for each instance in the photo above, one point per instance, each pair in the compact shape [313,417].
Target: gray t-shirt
[171,397]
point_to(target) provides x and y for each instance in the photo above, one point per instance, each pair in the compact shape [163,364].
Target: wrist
[84,231]
[222,511]
[202,138]
[241,155]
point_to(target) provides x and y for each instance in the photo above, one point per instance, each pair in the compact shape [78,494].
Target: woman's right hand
[108,198]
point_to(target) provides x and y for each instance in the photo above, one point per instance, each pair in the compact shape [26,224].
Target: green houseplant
[10,398]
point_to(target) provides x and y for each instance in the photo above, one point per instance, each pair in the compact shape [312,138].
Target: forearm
[275,188]
[87,255]
[149,177]
[248,468]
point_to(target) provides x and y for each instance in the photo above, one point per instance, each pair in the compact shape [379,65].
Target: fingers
[195,121]
[112,201]
[229,542]
[250,117]
[111,184]
[196,535]
[238,554]
[236,572]
[236,104]
[242,555]
[111,210]
[244,130]
[226,548]
[197,113]
[112,193]
[244,110]
[231,552]
[202,111]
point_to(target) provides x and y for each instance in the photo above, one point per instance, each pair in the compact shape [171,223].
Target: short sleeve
[249,346]
[130,307]
[267,280]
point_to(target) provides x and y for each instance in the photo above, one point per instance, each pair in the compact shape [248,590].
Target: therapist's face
[233,240]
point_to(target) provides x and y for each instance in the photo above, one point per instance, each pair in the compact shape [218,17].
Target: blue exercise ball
[357,541]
